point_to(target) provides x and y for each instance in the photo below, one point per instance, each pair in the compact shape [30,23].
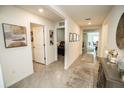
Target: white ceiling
[48,13]
[79,13]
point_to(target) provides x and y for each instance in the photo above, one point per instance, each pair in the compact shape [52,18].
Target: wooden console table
[108,75]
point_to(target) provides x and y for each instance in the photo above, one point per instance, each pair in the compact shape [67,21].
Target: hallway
[82,73]
[43,22]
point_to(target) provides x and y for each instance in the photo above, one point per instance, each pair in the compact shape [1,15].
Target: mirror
[120,33]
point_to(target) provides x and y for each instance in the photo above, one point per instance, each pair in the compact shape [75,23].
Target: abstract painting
[14,35]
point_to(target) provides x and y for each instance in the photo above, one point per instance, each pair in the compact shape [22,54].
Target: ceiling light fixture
[40,10]
[89,20]
[89,23]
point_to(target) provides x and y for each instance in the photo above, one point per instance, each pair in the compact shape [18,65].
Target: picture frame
[78,37]
[71,37]
[14,35]
[51,36]
[75,36]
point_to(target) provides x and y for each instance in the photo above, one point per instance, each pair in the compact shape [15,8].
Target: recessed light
[89,23]
[40,10]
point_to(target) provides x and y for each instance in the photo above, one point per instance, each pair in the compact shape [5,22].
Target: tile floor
[81,74]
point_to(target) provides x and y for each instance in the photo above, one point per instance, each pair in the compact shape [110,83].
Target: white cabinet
[1,78]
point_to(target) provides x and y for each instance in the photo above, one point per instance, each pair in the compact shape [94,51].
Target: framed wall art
[78,37]
[14,35]
[70,37]
[75,37]
[51,34]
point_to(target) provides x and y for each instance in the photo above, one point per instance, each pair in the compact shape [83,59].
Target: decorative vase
[112,56]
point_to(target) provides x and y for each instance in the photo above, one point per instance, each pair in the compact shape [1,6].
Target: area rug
[87,58]
[84,75]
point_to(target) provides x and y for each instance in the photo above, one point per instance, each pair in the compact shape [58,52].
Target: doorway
[90,42]
[38,42]
[61,44]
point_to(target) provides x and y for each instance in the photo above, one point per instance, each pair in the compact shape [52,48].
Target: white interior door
[38,45]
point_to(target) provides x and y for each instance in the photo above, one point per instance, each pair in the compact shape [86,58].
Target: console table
[108,75]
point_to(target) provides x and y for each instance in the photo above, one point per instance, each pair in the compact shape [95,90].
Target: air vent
[88,19]
[61,24]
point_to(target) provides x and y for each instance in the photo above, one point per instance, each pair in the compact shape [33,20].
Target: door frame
[56,29]
[44,45]
[93,31]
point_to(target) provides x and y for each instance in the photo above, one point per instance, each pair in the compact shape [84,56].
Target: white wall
[103,41]
[72,49]
[17,62]
[109,28]
[1,78]
[81,41]
[51,51]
